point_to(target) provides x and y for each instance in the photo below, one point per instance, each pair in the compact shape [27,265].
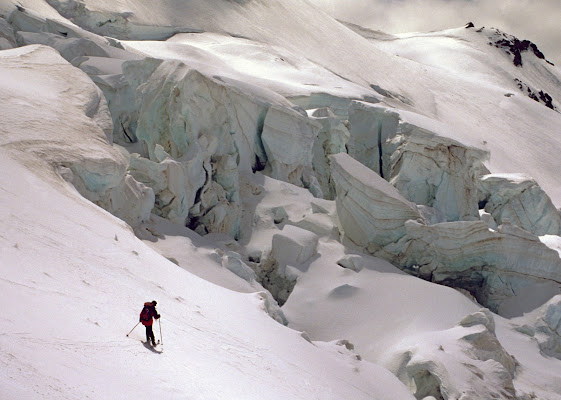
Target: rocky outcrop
[514,46]
[519,199]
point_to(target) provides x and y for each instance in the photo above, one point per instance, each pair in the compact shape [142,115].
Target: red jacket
[148,312]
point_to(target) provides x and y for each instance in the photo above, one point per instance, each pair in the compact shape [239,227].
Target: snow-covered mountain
[279,182]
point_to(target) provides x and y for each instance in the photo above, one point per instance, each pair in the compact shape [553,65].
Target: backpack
[145,314]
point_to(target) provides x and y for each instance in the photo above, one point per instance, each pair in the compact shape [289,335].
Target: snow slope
[75,276]
[464,93]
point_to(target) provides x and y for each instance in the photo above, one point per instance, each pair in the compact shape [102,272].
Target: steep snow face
[487,85]
[342,60]
[67,127]
[244,62]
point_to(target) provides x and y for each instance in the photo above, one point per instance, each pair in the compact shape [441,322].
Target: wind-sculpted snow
[72,135]
[242,121]
[519,200]
[543,326]
[464,362]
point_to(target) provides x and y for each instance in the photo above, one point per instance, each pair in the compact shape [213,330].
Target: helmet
[154,302]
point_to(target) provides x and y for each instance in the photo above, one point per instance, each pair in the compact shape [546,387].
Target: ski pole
[161,337]
[132,329]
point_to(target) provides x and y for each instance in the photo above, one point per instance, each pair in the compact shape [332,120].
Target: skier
[146,315]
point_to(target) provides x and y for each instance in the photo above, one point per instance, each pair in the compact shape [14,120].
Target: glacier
[312,173]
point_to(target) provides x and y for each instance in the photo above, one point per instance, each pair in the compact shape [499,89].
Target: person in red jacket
[146,315]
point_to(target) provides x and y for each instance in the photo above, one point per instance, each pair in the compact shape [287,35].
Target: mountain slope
[202,136]
[72,275]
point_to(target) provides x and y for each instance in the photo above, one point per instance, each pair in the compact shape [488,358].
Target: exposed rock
[539,96]
[372,213]
[514,46]
[520,200]
[331,139]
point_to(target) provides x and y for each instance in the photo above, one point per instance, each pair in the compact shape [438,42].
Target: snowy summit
[304,208]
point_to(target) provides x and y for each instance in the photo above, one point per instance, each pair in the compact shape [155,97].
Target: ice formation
[306,174]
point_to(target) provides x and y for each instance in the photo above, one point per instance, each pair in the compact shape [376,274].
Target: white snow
[74,277]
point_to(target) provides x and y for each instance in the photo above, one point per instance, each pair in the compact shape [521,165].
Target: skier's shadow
[149,347]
